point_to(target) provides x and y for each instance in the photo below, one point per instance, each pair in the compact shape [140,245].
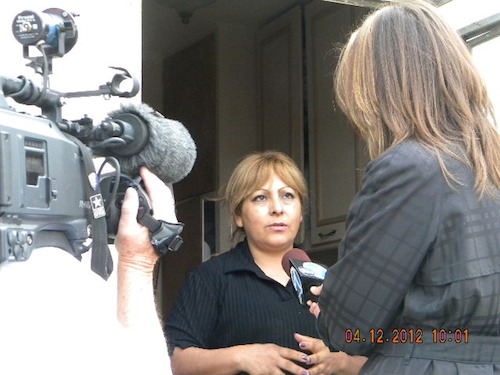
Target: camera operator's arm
[136,261]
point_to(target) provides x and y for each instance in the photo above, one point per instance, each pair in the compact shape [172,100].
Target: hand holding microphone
[303,273]
[313,305]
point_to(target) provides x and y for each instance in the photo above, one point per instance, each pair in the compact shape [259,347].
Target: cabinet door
[280,85]
[280,96]
[333,146]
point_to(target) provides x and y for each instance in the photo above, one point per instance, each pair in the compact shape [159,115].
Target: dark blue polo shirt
[229,301]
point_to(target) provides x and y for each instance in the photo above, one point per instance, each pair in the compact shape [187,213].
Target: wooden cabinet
[280,96]
[297,54]
[280,105]
[336,156]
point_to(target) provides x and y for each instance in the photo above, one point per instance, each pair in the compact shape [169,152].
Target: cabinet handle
[326,235]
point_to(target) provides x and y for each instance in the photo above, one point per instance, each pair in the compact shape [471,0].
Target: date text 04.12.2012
[407,335]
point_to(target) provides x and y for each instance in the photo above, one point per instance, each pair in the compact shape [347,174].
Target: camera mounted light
[52,31]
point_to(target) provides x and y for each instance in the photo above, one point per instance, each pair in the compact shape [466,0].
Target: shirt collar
[240,259]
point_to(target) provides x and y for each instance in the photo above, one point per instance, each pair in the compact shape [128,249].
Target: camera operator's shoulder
[45,264]
[61,307]
[55,275]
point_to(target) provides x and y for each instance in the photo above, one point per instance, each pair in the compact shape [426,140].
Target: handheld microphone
[137,135]
[303,273]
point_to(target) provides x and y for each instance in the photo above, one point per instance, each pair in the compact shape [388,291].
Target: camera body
[50,193]
[41,186]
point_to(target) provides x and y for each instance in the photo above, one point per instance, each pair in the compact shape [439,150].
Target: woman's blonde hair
[406,74]
[253,171]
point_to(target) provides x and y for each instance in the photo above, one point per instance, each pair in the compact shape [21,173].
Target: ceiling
[162,24]
[371,3]
[253,11]
[249,11]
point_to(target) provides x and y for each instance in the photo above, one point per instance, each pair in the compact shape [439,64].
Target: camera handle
[165,236]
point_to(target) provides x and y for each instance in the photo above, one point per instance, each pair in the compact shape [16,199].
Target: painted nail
[302,345]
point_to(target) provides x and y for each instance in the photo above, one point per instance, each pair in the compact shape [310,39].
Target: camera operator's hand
[133,240]
[161,195]
[136,307]
[136,255]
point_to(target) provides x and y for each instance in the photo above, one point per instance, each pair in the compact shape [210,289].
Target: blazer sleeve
[391,224]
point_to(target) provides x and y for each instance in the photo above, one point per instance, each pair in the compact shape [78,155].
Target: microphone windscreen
[297,254]
[170,152]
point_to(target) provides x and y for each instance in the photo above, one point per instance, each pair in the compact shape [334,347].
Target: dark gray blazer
[417,284]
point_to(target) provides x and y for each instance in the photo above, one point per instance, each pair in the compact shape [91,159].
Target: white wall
[109,34]
[461,13]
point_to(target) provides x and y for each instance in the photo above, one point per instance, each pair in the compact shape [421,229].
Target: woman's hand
[325,362]
[269,359]
[253,359]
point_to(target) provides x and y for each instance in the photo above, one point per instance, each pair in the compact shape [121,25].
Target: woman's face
[271,216]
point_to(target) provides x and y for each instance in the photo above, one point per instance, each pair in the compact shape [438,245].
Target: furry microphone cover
[170,152]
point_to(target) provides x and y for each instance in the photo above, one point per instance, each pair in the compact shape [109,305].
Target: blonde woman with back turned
[417,283]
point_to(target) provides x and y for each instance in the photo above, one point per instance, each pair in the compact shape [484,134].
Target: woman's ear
[238,221]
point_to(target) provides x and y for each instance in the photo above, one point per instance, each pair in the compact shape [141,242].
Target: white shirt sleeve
[58,317]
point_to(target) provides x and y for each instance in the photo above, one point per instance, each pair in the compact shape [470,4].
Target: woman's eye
[288,195]
[259,198]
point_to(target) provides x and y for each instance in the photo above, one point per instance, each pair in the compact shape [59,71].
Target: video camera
[50,194]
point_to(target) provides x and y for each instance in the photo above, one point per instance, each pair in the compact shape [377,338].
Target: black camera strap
[101,261]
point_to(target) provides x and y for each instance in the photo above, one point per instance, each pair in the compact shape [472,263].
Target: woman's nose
[276,206]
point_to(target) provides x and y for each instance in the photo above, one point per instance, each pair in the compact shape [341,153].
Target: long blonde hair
[406,74]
